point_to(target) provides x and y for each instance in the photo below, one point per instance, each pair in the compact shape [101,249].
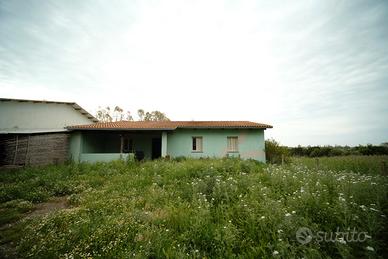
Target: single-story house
[38,132]
[154,139]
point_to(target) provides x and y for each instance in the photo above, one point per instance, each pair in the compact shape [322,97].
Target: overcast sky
[316,70]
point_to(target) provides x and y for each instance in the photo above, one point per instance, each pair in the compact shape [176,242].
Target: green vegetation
[358,164]
[192,208]
[275,153]
[329,151]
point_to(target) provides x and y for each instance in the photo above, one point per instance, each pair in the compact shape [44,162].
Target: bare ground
[8,249]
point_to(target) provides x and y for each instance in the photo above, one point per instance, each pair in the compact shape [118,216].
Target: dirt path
[52,205]
[8,249]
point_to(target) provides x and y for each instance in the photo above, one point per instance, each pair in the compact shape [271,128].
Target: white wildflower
[369,248]
[275,252]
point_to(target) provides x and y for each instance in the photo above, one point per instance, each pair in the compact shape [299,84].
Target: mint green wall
[251,143]
[106,157]
[164,144]
[75,145]
[105,146]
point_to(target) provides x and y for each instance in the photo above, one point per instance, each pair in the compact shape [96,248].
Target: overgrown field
[194,208]
[359,164]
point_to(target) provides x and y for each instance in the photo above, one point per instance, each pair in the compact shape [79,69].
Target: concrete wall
[75,146]
[106,157]
[28,115]
[251,143]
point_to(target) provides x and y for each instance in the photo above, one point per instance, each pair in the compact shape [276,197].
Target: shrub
[275,153]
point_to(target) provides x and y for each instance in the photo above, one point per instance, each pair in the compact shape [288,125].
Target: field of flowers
[194,208]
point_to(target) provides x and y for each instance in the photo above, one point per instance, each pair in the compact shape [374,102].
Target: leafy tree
[141,114]
[103,114]
[152,116]
[118,114]
[108,114]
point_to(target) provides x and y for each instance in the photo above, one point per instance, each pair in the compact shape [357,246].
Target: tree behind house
[118,114]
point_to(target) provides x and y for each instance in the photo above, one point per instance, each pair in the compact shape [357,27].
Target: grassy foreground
[195,208]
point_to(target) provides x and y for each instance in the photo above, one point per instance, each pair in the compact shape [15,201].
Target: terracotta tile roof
[169,125]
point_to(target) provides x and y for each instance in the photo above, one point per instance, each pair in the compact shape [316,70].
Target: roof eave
[231,127]
[118,129]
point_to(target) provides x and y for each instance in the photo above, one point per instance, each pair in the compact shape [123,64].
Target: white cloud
[295,65]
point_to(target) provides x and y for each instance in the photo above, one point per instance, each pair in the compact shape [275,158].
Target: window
[197,144]
[232,144]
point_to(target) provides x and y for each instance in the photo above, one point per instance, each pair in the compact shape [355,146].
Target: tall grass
[196,208]
[359,164]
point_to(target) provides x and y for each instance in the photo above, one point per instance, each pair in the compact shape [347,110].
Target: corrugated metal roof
[169,125]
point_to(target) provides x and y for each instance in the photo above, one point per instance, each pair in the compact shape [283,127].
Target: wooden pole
[16,149]
[121,145]
[282,159]
[26,161]
[317,162]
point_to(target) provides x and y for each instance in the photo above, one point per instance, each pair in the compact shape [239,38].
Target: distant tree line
[109,114]
[277,154]
[320,151]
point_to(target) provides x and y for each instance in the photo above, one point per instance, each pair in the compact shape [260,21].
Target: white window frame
[198,145]
[229,144]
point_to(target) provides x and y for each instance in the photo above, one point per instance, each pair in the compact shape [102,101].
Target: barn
[32,132]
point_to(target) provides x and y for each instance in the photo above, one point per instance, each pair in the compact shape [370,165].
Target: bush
[275,153]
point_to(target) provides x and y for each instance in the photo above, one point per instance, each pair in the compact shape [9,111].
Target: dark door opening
[156,148]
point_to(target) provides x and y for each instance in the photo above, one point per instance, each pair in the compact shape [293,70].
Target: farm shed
[33,132]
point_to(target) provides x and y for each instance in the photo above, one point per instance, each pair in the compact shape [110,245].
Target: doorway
[156,148]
